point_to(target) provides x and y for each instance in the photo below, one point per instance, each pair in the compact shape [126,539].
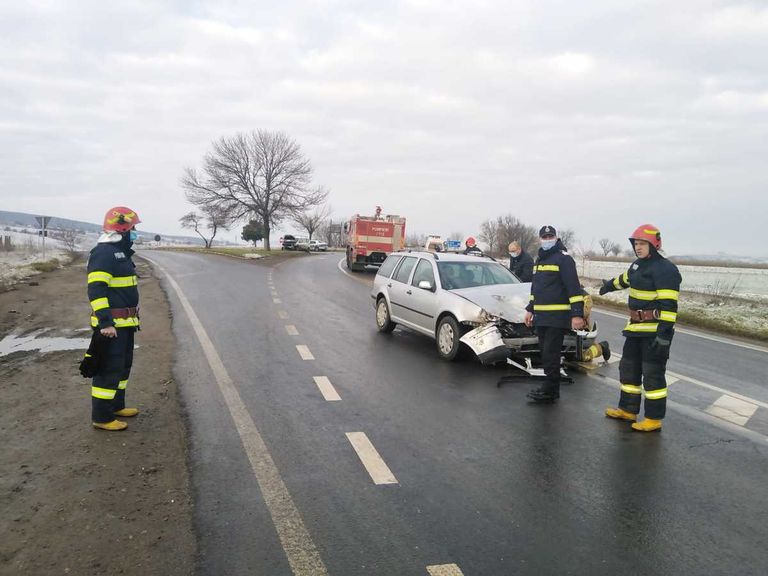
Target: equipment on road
[370,239]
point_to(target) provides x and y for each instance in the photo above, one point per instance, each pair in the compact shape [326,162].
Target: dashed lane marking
[732,409]
[277,300]
[444,570]
[373,462]
[327,389]
[282,314]
[291,329]
[299,547]
[304,352]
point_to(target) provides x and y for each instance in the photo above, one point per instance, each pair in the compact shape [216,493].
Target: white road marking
[274,293]
[719,339]
[282,314]
[277,300]
[304,352]
[342,269]
[291,329]
[327,389]
[732,409]
[299,547]
[717,389]
[444,570]
[374,464]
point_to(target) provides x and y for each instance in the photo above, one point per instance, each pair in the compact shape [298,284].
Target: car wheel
[448,338]
[383,319]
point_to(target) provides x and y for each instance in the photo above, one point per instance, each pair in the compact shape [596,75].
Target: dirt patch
[76,500]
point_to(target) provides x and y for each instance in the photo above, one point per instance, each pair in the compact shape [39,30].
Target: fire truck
[370,239]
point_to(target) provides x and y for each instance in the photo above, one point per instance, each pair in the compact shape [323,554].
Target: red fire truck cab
[370,239]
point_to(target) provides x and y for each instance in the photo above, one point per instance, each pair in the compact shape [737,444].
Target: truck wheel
[448,338]
[383,320]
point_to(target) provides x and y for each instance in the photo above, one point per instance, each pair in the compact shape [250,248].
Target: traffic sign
[42,221]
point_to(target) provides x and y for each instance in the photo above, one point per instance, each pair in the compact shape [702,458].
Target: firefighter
[520,262]
[114,297]
[556,306]
[471,247]
[654,287]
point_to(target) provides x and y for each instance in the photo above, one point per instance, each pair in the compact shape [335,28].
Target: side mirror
[425,285]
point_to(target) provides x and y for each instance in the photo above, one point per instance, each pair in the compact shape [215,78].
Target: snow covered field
[27,249]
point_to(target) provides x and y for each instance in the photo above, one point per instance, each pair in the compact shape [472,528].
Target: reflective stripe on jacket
[112,283]
[556,295]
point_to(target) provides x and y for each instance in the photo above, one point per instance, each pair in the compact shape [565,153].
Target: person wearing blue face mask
[556,306]
[114,296]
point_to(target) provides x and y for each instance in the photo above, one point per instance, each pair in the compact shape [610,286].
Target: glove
[660,344]
[606,287]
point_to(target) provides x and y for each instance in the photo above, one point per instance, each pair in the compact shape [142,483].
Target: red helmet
[471,241]
[649,233]
[120,219]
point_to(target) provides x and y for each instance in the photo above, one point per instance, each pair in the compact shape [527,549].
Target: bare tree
[260,174]
[212,218]
[415,240]
[605,245]
[312,221]
[567,237]
[489,233]
[70,239]
[615,249]
[512,229]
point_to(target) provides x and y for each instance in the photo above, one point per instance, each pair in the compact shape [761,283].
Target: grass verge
[46,266]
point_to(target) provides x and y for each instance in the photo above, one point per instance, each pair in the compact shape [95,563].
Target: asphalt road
[472,479]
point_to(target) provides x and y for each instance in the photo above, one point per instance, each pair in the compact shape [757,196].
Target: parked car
[288,242]
[317,246]
[302,244]
[459,299]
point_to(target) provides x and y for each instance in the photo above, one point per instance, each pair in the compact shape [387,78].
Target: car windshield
[458,275]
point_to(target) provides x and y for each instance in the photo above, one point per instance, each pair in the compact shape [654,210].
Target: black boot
[544,395]
[606,350]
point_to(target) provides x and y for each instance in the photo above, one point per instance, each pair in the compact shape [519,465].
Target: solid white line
[304,352]
[299,548]
[282,314]
[444,570]
[342,269]
[326,388]
[732,409]
[291,329]
[690,332]
[374,464]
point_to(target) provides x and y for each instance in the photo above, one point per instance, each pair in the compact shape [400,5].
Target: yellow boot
[113,426]
[619,414]
[127,412]
[647,425]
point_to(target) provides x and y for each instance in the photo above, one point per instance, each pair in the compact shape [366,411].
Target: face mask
[514,254]
[547,244]
[132,236]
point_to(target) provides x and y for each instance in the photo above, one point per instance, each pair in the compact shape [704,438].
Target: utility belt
[643,315]
[124,312]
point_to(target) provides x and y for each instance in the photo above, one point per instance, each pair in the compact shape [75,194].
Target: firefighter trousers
[109,385]
[551,345]
[643,368]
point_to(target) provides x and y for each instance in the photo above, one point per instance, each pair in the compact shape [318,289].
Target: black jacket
[654,284]
[556,295]
[522,266]
[473,250]
[112,283]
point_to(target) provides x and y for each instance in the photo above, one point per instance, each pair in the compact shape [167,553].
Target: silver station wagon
[462,299]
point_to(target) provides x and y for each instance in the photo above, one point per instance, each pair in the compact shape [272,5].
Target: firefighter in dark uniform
[471,247]
[520,262]
[114,297]
[654,287]
[556,306]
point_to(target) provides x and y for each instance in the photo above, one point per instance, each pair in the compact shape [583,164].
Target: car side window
[404,271]
[423,272]
[388,266]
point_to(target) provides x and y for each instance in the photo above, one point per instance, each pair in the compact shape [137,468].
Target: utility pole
[43,223]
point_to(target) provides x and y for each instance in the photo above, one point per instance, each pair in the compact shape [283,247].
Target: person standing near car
[114,296]
[654,288]
[520,262]
[556,306]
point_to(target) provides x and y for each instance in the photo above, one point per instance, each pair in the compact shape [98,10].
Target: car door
[398,286]
[422,301]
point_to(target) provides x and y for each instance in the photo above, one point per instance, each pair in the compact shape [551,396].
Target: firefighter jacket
[522,266]
[654,284]
[556,295]
[112,282]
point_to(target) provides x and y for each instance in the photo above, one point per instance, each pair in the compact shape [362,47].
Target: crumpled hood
[506,301]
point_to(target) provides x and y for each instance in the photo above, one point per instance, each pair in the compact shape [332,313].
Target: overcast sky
[570,113]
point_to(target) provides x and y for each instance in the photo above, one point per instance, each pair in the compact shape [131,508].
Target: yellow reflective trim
[119,322]
[617,283]
[656,394]
[123,281]
[99,304]
[103,393]
[642,327]
[122,385]
[631,389]
[88,355]
[667,294]
[625,277]
[642,294]
[650,231]
[668,316]
[548,307]
[548,268]
[530,298]
[99,276]
[574,299]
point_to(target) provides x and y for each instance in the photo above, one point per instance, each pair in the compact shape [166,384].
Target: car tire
[383,320]
[448,338]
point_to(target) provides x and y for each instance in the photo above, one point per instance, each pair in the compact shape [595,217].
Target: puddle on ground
[36,341]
